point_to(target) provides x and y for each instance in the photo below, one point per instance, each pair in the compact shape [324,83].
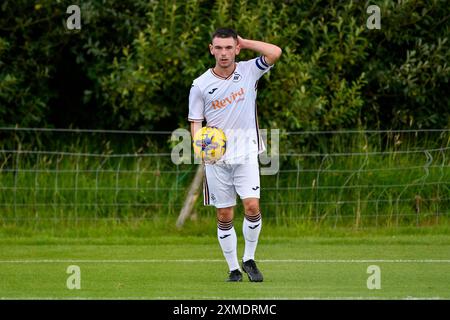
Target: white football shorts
[224,180]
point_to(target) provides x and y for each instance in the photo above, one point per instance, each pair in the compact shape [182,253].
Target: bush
[132,63]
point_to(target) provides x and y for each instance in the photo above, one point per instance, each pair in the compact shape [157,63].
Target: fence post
[191,197]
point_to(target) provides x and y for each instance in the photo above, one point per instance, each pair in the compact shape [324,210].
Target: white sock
[228,242]
[251,229]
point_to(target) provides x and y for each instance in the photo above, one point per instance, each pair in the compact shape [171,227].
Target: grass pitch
[186,267]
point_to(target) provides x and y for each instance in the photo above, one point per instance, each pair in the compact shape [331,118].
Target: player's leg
[226,234]
[219,191]
[247,183]
[251,229]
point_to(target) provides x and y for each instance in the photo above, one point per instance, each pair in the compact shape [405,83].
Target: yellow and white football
[210,144]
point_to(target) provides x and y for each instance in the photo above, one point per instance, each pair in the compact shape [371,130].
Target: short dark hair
[224,33]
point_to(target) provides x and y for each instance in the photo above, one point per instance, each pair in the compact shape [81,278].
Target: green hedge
[131,64]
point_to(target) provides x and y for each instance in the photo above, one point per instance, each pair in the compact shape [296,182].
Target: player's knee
[225,214]
[252,207]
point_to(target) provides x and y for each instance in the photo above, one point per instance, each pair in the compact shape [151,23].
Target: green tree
[132,63]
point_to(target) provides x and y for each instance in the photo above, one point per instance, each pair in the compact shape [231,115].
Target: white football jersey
[230,104]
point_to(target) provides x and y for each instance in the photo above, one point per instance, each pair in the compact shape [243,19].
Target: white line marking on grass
[29,261]
[25,261]
[221,298]
[359,261]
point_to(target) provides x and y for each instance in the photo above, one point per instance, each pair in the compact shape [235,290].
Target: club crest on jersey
[233,97]
[237,77]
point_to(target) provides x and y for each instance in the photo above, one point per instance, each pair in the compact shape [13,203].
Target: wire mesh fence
[358,177]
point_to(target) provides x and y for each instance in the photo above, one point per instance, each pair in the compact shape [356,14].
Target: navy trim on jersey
[205,191]
[223,78]
[257,125]
[259,66]
[263,61]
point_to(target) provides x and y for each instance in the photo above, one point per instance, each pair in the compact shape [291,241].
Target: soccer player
[225,96]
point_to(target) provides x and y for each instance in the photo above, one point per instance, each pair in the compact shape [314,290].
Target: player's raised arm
[270,51]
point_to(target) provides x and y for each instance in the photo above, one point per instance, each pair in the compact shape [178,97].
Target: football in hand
[210,144]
